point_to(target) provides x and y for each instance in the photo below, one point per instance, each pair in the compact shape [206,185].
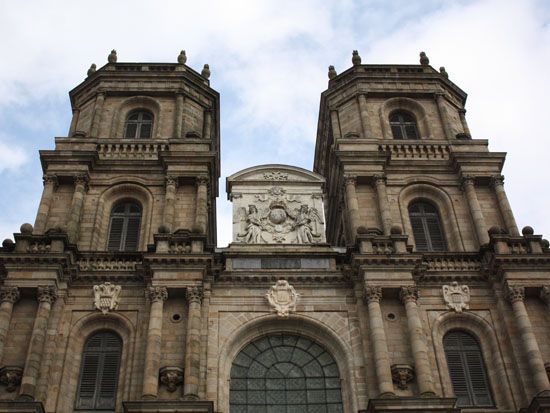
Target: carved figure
[282,297]
[457,297]
[307,224]
[106,297]
[253,231]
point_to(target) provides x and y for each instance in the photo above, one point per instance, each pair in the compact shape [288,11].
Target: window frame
[402,124]
[125,216]
[426,229]
[139,123]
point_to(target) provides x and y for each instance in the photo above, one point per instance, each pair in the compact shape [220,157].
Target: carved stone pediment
[282,298]
[106,297]
[457,297]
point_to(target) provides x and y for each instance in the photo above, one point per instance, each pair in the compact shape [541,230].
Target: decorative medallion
[106,297]
[457,297]
[276,176]
[282,298]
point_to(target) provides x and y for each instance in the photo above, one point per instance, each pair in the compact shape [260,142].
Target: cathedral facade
[390,278]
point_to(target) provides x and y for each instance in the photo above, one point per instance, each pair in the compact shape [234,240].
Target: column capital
[171,180]
[372,294]
[467,180]
[408,293]
[515,293]
[46,294]
[50,179]
[156,293]
[9,294]
[497,180]
[350,179]
[380,178]
[202,180]
[545,294]
[81,179]
[194,294]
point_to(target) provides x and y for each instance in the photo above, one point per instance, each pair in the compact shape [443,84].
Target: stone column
[468,187]
[201,205]
[419,346]
[74,121]
[383,204]
[497,182]
[440,99]
[46,297]
[169,202]
[73,223]
[8,297]
[335,122]
[352,205]
[545,295]
[157,296]
[98,109]
[50,183]
[516,295]
[465,128]
[364,114]
[207,124]
[373,295]
[193,344]
[178,121]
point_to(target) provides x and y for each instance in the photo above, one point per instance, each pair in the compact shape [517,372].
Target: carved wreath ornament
[106,297]
[457,297]
[282,298]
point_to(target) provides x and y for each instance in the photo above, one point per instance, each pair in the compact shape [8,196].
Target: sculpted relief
[277,217]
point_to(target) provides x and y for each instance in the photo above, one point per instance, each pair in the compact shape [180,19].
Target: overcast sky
[269,62]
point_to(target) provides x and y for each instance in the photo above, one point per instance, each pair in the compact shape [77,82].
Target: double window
[98,381]
[467,370]
[426,227]
[139,125]
[403,125]
[124,227]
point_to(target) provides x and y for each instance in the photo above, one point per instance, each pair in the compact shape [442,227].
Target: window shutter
[115,233]
[458,378]
[435,234]
[108,381]
[131,129]
[410,131]
[132,234]
[396,132]
[419,233]
[88,379]
[145,131]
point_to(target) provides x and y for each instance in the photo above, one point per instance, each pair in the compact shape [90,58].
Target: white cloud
[11,156]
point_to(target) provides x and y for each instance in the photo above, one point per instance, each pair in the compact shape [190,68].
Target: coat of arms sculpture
[457,297]
[283,298]
[106,297]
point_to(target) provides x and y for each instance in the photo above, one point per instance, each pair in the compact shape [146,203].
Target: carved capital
[194,294]
[171,377]
[380,179]
[372,294]
[50,179]
[350,179]
[202,180]
[9,294]
[172,181]
[156,293]
[545,294]
[81,179]
[46,294]
[515,293]
[10,376]
[497,180]
[467,180]
[402,374]
[408,294]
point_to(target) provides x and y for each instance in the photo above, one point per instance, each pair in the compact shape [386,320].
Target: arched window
[139,124]
[284,373]
[124,227]
[426,227]
[467,370]
[97,384]
[403,125]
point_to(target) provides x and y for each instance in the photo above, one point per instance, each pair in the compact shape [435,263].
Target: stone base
[176,406]
[413,404]
[21,407]
[539,404]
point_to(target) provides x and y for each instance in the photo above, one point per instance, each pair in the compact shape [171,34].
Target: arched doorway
[284,373]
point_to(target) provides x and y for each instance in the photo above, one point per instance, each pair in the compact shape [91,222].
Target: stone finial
[10,376]
[92,69]
[402,374]
[46,294]
[443,72]
[424,61]
[194,294]
[112,58]
[206,71]
[106,297]
[527,230]
[26,228]
[355,58]
[331,72]
[171,377]
[10,294]
[182,58]
[156,293]
[372,294]
[8,244]
[396,230]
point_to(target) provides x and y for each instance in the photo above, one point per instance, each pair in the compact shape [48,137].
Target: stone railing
[452,262]
[108,262]
[415,150]
[131,150]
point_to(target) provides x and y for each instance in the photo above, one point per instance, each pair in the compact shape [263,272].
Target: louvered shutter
[435,234]
[467,370]
[396,132]
[115,233]
[427,231]
[99,372]
[410,131]
[419,233]
[132,234]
